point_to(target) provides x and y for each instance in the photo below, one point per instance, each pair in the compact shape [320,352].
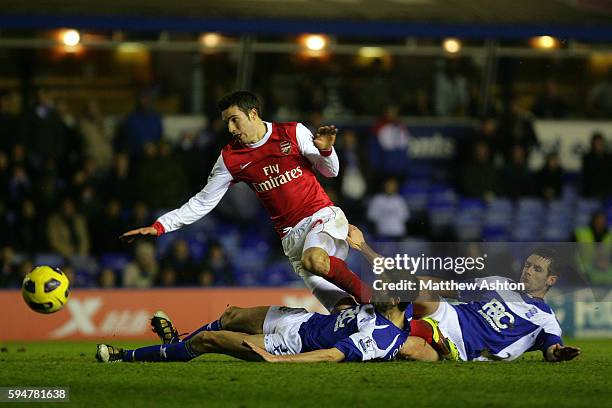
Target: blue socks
[214,326]
[179,351]
[166,352]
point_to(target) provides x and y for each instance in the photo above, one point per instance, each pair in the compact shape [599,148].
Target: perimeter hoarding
[125,314]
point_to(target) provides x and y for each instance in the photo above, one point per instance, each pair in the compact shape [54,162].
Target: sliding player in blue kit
[493,324]
[374,331]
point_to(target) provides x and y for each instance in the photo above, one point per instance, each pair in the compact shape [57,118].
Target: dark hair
[555,258]
[244,100]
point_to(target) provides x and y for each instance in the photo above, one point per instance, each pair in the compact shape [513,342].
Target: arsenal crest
[285,147]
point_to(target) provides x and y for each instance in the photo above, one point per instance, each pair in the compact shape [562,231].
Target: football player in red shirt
[278,162]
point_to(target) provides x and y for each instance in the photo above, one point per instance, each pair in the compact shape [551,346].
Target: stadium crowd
[71,185]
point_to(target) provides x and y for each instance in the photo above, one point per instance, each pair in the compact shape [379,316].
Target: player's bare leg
[227,342]
[316,261]
[246,320]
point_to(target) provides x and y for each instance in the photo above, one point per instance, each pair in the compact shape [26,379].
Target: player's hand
[562,353]
[131,235]
[355,238]
[325,137]
[265,356]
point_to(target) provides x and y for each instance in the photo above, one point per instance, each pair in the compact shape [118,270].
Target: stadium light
[452,45]
[70,38]
[210,40]
[545,42]
[315,42]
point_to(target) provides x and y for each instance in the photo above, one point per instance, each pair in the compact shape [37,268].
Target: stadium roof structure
[588,19]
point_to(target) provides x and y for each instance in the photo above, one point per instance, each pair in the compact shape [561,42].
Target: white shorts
[281,329]
[326,229]
[448,321]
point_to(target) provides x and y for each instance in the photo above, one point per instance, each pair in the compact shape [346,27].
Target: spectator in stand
[67,231]
[9,121]
[550,104]
[596,169]
[27,236]
[549,179]
[107,278]
[4,171]
[354,173]
[120,182]
[97,137]
[206,278]
[596,231]
[389,146]
[516,128]
[600,98]
[19,185]
[172,180]
[515,176]
[45,133]
[485,132]
[218,264]
[85,185]
[167,278]
[479,178]
[140,214]
[143,125]
[596,240]
[389,212]
[7,222]
[10,276]
[181,263]
[143,271]
[451,90]
[107,228]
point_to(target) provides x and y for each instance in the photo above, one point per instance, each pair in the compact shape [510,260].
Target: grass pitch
[222,381]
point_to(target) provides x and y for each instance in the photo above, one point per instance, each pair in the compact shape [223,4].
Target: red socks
[421,329]
[340,275]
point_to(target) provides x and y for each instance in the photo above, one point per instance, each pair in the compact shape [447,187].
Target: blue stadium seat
[86,270]
[526,232]
[197,247]
[416,195]
[468,226]
[48,259]
[557,233]
[589,206]
[163,243]
[116,261]
[279,273]
[530,206]
[441,214]
[442,194]
[493,233]
[500,205]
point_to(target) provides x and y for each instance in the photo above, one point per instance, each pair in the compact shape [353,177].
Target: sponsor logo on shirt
[493,312]
[276,178]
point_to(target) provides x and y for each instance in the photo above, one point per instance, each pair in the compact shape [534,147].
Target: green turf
[219,381]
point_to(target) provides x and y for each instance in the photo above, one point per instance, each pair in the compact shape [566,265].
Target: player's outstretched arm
[557,352]
[133,234]
[357,241]
[332,355]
